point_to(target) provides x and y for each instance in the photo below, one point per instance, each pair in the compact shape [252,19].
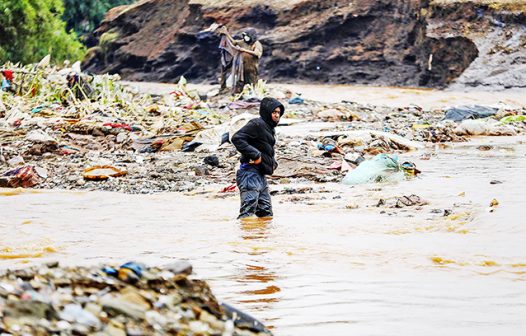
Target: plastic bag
[381,168]
[469,112]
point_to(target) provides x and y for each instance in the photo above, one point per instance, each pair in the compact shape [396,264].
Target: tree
[31,29]
[84,16]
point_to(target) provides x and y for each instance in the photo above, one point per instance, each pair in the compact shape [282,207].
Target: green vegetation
[84,16]
[31,29]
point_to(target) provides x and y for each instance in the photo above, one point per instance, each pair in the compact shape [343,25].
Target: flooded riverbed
[388,96]
[331,263]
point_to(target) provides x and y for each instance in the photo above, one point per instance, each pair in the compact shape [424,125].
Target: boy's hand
[257,161]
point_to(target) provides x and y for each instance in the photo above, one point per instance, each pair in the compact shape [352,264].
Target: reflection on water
[257,274]
[318,267]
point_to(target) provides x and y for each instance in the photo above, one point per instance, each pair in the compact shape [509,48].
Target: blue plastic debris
[296,100]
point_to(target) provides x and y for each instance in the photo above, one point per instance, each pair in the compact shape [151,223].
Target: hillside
[377,42]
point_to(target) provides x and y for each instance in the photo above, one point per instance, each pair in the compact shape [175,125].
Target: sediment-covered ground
[178,141]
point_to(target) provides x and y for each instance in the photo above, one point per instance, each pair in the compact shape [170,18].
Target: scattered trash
[381,168]
[330,148]
[420,126]
[123,126]
[129,272]
[237,105]
[98,173]
[354,158]
[191,146]
[493,205]
[336,165]
[485,147]
[39,136]
[410,169]
[331,115]
[484,127]
[7,80]
[242,319]
[352,206]
[469,112]
[212,160]
[408,201]
[404,202]
[230,188]
[24,177]
[296,100]
[511,119]
[163,140]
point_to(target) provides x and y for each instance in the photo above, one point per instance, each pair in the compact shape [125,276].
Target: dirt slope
[379,42]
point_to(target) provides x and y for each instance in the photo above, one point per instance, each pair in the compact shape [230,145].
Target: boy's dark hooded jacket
[257,138]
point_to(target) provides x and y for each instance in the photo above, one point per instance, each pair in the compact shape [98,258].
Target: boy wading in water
[255,141]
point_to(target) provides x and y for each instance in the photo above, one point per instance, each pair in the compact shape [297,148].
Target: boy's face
[276,114]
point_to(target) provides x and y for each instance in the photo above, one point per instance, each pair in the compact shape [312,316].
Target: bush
[31,29]
[85,15]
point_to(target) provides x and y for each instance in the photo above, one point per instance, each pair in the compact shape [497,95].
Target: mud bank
[403,43]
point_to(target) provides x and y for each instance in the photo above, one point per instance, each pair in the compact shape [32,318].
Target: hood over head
[267,106]
[251,32]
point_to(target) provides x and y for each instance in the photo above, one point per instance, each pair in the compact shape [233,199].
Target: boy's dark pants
[255,198]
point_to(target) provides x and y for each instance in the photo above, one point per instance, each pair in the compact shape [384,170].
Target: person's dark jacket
[257,138]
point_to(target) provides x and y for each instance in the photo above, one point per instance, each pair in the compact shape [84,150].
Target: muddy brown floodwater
[330,262]
[389,96]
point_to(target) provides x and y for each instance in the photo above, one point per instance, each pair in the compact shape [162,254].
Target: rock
[52,264]
[114,331]
[131,295]
[98,132]
[179,267]
[199,327]
[154,318]
[39,136]
[121,137]
[211,160]
[354,158]
[213,321]
[408,201]
[79,329]
[200,171]
[16,161]
[75,313]
[118,305]
[93,308]
[331,115]
[34,309]
[63,325]
[212,93]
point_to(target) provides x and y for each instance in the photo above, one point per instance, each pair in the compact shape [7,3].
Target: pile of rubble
[112,301]
[60,128]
